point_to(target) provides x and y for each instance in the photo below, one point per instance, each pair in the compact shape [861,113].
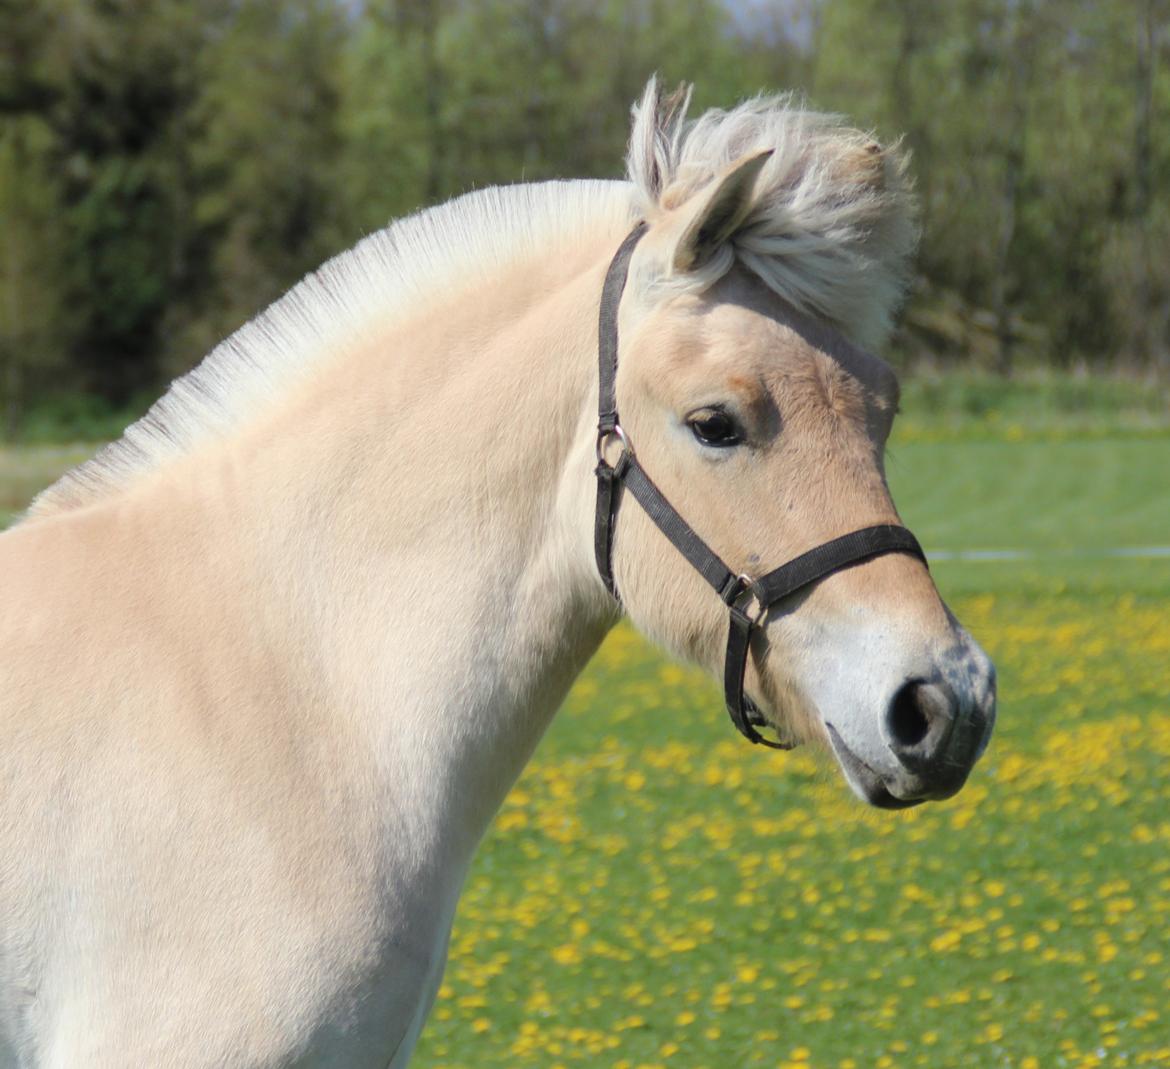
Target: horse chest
[286,988]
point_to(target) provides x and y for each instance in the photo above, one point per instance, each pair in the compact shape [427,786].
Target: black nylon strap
[800,572]
[831,556]
[607,501]
[734,590]
[739,705]
[607,416]
[607,329]
[700,556]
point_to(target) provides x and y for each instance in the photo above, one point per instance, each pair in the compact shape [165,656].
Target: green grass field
[658,893]
[26,470]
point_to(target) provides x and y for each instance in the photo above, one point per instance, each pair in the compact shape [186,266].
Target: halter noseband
[748,600]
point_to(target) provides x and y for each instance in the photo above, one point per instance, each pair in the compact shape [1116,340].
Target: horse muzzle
[933,730]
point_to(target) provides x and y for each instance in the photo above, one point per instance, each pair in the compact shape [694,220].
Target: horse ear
[715,213]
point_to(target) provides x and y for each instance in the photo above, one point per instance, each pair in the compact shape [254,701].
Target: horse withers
[273,659]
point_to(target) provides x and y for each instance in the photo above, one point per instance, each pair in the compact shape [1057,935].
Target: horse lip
[864,779]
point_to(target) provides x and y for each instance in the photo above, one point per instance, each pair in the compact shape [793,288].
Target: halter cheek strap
[748,600]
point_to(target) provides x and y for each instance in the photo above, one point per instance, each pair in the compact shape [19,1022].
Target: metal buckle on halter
[745,597]
[605,435]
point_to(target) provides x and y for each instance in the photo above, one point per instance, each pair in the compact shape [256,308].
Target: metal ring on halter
[603,438]
[750,587]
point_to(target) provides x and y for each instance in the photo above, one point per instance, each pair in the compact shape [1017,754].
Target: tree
[33,331]
[264,158]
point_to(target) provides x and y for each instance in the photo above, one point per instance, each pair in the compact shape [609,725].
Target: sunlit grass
[656,892]
[1043,495]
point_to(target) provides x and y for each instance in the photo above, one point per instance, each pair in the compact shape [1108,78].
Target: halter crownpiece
[747,599]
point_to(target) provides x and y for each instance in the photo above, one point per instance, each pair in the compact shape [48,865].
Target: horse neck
[424,512]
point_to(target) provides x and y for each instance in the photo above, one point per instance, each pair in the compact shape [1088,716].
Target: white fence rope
[1103,552]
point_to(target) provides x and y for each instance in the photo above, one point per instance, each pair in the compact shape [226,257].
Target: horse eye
[714,427]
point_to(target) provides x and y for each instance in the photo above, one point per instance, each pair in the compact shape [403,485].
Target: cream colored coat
[258,710]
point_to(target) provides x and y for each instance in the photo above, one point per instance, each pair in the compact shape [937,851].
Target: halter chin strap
[748,600]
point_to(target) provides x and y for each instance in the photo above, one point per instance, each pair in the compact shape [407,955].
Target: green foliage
[1021,119]
[31,324]
[122,78]
[264,164]
[77,417]
[965,405]
[169,167]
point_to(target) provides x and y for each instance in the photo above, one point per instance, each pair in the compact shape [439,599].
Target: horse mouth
[864,780]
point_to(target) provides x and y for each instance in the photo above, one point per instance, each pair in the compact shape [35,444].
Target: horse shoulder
[178,830]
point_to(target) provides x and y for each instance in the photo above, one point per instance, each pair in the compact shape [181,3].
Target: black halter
[748,600]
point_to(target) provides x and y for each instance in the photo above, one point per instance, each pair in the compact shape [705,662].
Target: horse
[272,660]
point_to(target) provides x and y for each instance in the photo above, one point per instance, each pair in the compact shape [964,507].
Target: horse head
[774,250]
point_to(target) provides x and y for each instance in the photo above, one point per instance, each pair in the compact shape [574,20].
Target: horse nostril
[909,721]
[920,728]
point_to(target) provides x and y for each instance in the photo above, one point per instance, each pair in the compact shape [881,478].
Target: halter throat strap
[748,600]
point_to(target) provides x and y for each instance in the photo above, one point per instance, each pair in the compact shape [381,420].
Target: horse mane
[833,222]
[831,230]
[385,276]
